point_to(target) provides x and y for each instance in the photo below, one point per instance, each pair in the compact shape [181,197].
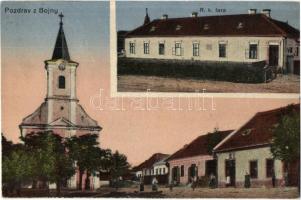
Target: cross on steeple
[61,48]
[61,18]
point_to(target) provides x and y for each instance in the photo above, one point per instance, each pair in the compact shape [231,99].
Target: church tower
[146,18]
[61,111]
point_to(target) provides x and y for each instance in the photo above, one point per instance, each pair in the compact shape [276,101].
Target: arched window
[62,82]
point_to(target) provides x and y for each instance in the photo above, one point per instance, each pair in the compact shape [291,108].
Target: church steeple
[61,49]
[146,18]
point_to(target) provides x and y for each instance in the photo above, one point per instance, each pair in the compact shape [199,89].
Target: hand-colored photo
[64,133]
[221,47]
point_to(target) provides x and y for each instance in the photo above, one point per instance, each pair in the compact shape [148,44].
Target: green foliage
[205,70]
[119,167]
[85,151]
[17,167]
[286,138]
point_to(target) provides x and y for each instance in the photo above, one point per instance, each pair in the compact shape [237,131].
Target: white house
[246,38]
[247,151]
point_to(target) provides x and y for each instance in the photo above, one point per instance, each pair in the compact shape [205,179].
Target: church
[61,111]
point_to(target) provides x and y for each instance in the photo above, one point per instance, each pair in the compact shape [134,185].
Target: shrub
[208,70]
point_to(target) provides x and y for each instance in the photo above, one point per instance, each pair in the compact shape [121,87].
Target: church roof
[61,49]
[38,119]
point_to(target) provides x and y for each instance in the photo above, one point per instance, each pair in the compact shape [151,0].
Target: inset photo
[217,47]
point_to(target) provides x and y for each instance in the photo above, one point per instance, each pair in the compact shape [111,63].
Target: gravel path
[132,83]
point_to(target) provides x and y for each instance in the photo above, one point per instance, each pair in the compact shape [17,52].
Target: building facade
[153,167]
[194,159]
[61,111]
[230,38]
[247,151]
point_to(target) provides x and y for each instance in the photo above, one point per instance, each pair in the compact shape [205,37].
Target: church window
[62,82]
[62,107]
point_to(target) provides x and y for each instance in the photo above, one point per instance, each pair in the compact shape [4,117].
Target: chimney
[194,14]
[266,12]
[252,11]
[165,16]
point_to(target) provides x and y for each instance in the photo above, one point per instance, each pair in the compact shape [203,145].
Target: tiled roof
[225,25]
[197,147]
[149,162]
[257,131]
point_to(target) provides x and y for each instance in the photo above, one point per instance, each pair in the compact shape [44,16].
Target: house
[248,150]
[241,38]
[61,111]
[147,170]
[195,159]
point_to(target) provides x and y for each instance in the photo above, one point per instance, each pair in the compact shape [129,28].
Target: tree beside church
[61,112]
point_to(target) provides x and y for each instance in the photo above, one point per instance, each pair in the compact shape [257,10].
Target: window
[269,167]
[163,170]
[161,49]
[178,49]
[222,50]
[182,170]
[160,171]
[195,49]
[146,48]
[253,169]
[290,50]
[156,171]
[132,48]
[297,51]
[62,82]
[253,51]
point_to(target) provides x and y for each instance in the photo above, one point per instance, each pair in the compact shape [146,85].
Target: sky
[131,14]
[28,40]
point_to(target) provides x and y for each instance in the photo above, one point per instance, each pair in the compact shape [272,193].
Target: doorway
[192,172]
[175,175]
[230,171]
[273,55]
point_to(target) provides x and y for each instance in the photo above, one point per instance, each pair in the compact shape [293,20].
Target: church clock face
[62,66]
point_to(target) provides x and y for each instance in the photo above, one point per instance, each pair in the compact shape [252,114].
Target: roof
[161,162]
[226,25]
[198,147]
[257,131]
[61,49]
[151,161]
[39,119]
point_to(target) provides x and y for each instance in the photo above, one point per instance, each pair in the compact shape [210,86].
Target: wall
[199,161]
[163,166]
[237,48]
[242,159]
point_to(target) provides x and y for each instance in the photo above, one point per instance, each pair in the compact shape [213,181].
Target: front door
[175,174]
[192,172]
[273,55]
[230,172]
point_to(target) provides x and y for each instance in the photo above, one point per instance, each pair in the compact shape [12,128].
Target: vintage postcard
[150,99]
[223,48]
